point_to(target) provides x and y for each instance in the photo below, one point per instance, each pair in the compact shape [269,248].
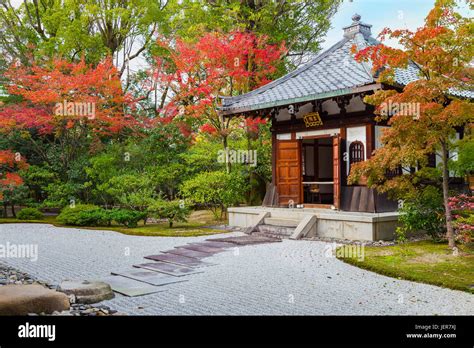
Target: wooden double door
[289,180]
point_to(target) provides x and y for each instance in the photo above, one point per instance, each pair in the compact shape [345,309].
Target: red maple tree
[196,74]
[70,104]
[61,95]
[10,163]
[441,53]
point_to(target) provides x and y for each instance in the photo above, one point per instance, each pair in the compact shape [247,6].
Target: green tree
[216,190]
[301,24]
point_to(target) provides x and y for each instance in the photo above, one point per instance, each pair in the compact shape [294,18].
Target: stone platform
[330,223]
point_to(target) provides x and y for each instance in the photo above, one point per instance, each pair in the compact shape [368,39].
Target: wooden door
[288,171]
[336,147]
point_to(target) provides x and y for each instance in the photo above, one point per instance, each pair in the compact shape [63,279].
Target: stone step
[279,231]
[281,222]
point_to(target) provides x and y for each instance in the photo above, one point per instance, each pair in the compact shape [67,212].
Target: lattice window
[356,153]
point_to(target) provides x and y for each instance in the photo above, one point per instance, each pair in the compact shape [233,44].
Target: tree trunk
[5,212]
[227,162]
[13,210]
[447,209]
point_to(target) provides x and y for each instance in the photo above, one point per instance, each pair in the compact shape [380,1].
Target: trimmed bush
[216,190]
[30,214]
[173,211]
[84,215]
[128,218]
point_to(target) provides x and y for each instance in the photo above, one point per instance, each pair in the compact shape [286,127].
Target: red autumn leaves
[216,65]
[9,164]
[78,85]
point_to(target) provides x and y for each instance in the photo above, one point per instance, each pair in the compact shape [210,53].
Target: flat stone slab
[150,277]
[180,260]
[248,240]
[212,244]
[130,287]
[188,252]
[84,291]
[168,268]
[202,248]
[24,299]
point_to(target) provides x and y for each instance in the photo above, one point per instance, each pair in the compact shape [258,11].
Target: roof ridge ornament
[357,27]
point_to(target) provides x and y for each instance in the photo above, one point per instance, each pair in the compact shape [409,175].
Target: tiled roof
[410,74]
[334,72]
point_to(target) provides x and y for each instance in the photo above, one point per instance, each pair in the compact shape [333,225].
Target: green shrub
[216,190]
[83,215]
[173,211]
[126,217]
[30,214]
[424,212]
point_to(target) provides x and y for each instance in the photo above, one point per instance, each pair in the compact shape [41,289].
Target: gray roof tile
[334,71]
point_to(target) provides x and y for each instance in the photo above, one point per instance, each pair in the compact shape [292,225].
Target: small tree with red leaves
[441,51]
[10,164]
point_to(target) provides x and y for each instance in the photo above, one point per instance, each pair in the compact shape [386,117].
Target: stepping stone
[130,287]
[150,277]
[180,260]
[201,248]
[168,268]
[188,253]
[85,291]
[212,244]
[24,299]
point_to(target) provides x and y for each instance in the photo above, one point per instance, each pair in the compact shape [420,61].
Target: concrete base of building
[330,223]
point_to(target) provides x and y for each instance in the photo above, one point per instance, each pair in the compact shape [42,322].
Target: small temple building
[320,127]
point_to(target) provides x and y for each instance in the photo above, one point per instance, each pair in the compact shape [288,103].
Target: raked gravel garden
[285,278]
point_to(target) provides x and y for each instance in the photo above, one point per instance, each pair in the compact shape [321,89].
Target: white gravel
[288,278]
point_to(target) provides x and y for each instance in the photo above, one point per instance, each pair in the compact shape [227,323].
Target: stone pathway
[173,265]
[286,278]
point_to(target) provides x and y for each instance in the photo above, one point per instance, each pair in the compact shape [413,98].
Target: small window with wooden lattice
[356,153]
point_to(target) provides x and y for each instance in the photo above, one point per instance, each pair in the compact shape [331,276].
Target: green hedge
[30,214]
[92,215]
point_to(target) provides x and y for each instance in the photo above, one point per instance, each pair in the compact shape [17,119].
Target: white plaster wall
[329,132]
[329,106]
[378,135]
[356,134]
[356,104]
[452,154]
[285,136]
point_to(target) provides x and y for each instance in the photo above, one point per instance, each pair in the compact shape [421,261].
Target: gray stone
[87,291]
[130,287]
[168,268]
[150,277]
[25,299]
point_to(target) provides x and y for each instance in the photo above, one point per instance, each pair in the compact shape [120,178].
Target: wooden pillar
[274,157]
[370,136]
[344,157]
